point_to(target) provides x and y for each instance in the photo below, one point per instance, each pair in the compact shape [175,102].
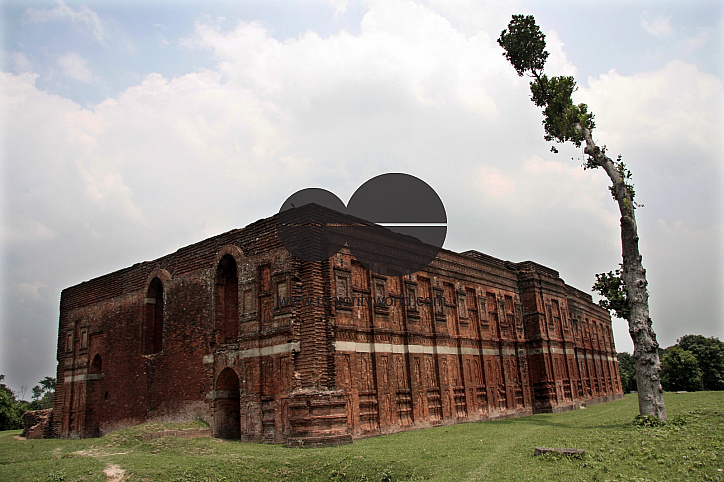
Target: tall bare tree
[624,289]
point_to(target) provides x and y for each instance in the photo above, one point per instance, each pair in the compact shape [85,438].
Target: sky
[130,129]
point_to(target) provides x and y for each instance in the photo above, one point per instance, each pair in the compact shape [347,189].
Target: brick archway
[226,302]
[157,283]
[95,391]
[227,422]
[96,367]
[153,318]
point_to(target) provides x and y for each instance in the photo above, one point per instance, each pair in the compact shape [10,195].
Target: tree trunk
[646,355]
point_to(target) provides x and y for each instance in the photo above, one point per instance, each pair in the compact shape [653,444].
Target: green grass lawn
[499,450]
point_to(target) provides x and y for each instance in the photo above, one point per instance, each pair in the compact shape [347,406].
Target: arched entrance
[94,397]
[153,330]
[226,406]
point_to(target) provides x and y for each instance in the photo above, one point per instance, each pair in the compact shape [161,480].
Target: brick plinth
[318,418]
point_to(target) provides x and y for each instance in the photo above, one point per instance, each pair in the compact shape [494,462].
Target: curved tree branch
[563,121]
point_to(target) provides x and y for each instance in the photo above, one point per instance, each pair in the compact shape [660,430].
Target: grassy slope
[500,450]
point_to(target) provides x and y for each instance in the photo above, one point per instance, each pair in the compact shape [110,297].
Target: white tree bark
[646,355]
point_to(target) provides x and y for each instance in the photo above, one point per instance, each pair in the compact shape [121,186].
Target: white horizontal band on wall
[257,352]
[358,347]
[83,377]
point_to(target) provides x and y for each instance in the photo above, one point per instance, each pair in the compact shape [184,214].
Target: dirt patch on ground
[98,453]
[114,473]
[90,453]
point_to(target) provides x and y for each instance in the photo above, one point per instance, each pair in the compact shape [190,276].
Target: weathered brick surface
[37,424]
[202,333]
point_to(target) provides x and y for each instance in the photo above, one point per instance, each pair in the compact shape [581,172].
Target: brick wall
[203,333]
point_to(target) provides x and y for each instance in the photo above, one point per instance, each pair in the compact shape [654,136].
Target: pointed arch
[95,390]
[153,317]
[226,324]
[96,367]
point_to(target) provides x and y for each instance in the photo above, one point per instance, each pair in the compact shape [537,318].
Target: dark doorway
[227,301]
[227,423]
[94,402]
[153,329]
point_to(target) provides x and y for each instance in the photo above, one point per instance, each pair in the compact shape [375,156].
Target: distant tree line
[12,409]
[693,363]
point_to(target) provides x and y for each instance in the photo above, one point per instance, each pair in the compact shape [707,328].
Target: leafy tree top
[524,46]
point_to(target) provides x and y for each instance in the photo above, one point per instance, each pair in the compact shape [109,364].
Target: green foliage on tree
[11,409]
[615,297]
[695,363]
[627,369]
[709,353]
[43,394]
[680,370]
[10,412]
[45,385]
[524,46]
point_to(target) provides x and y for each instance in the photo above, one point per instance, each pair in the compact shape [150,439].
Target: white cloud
[557,63]
[170,161]
[75,67]
[566,187]
[685,267]
[29,291]
[496,184]
[700,39]
[421,61]
[26,231]
[340,7]
[676,109]
[551,196]
[83,17]
[21,63]
[657,25]
[473,16]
